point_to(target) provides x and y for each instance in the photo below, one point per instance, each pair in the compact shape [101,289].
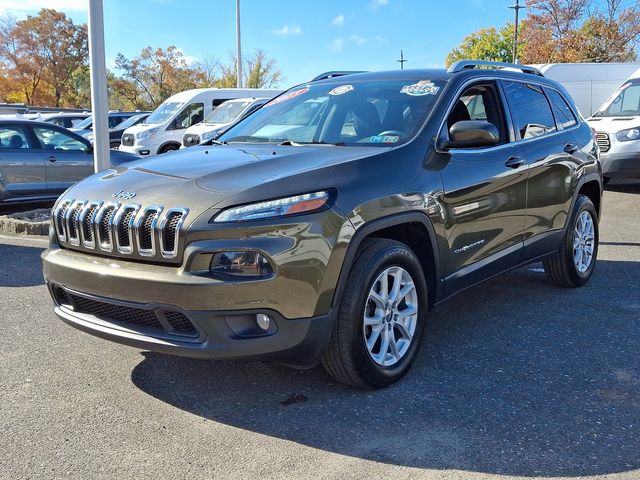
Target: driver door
[67,159]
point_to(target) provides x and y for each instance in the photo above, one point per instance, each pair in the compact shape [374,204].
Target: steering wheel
[390,132]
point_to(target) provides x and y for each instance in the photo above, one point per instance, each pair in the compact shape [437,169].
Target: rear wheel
[380,318]
[573,264]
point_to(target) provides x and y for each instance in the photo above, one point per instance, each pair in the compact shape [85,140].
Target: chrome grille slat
[115,228]
[603,141]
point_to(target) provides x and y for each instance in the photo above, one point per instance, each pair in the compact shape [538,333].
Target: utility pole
[517,7]
[98,78]
[238,49]
[402,60]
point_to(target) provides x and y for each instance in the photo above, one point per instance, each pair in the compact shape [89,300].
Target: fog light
[263,321]
[247,265]
[145,152]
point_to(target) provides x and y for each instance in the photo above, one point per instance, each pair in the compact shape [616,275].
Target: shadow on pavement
[623,186]
[514,376]
[20,266]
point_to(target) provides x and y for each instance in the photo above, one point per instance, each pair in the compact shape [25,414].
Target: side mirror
[472,134]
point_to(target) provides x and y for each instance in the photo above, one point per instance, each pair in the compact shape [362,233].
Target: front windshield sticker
[423,87]
[384,139]
[287,96]
[341,90]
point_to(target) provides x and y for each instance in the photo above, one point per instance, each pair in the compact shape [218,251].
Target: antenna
[402,60]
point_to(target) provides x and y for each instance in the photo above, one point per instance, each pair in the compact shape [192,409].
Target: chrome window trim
[176,243]
[146,252]
[115,223]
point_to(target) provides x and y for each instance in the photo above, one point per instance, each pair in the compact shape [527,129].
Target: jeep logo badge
[123,194]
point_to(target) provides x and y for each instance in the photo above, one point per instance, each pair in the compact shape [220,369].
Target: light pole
[98,78]
[238,48]
[402,60]
[517,7]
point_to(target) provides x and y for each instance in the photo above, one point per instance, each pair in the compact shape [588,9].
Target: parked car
[220,118]
[323,227]
[39,160]
[163,130]
[85,128]
[115,134]
[63,119]
[617,125]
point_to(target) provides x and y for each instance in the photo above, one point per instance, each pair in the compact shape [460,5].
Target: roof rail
[333,74]
[471,64]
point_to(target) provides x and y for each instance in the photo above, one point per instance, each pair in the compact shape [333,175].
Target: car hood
[199,178]
[613,124]
[201,128]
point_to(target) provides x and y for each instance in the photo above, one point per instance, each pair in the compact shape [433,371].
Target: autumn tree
[43,56]
[485,44]
[581,31]
[258,71]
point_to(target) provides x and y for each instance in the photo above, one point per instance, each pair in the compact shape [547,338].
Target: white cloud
[337,44]
[376,4]
[381,39]
[358,40]
[35,5]
[190,59]
[338,21]
[287,30]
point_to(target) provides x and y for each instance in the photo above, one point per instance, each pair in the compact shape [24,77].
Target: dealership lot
[516,378]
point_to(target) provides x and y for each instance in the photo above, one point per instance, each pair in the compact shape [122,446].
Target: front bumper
[621,164]
[139,150]
[218,335]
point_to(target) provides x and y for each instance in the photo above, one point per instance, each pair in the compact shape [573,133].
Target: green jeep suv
[326,225]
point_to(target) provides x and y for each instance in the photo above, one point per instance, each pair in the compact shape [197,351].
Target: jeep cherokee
[325,226]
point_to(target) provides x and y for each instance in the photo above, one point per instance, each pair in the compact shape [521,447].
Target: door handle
[515,162]
[571,148]
[52,158]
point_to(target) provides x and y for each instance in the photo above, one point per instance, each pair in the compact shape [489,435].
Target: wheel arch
[171,143]
[415,230]
[592,188]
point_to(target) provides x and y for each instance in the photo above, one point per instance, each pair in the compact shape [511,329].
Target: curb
[21,226]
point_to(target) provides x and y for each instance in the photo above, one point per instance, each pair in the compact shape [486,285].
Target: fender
[170,142]
[379,224]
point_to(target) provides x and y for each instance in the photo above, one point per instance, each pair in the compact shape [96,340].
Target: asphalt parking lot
[516,379]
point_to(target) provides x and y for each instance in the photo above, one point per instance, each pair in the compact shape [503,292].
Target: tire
[563,268]
[348,359]
[167,148]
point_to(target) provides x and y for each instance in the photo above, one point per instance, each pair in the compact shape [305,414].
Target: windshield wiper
[302,144]
[213,142]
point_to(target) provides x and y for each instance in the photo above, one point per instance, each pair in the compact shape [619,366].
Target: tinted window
[530,108]
[114,121]
[13,137]
[561,109]
[52,139]
[191,115]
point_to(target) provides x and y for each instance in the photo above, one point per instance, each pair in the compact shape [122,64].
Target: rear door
[484,193]
[550,149]
[67,158]
[22,169]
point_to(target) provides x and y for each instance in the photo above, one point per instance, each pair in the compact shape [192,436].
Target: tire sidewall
[392,256]
[583,204]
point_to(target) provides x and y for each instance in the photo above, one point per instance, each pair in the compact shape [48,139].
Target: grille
[603,141]
[191,139]
[128,139]
[176,323]
[115,228]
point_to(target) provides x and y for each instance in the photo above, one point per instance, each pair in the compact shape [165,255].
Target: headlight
[282,207]
[146,134]
[628,134]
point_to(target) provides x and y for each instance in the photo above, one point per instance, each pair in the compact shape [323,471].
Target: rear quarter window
[561,109]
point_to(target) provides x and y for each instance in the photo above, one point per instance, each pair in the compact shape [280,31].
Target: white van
[163,130]
[220,118]
[617,126]
[589,84]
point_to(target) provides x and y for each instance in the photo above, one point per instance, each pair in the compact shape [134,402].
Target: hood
[199,178]
[613,124]
[141,127]
[201,128]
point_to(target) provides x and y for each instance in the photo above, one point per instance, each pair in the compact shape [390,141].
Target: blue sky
[305,37]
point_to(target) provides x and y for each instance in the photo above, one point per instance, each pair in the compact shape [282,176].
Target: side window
[190,115]
[114,121]
[217,101]
[530,108]
[13,137]
[561,109]
[52,139]
[76,121]
[479,102]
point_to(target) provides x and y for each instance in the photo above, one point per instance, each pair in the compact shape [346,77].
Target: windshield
[382,112]
[129,122]
[624,103]
[85,124]
[226,112]
[163,113]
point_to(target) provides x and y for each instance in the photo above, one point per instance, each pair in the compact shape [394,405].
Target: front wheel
[573,264]
[380,318]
